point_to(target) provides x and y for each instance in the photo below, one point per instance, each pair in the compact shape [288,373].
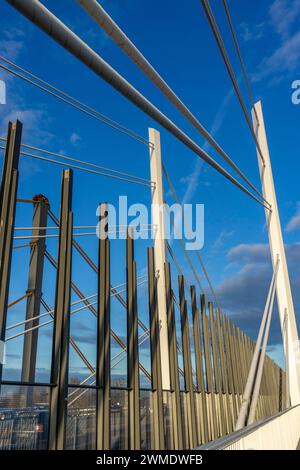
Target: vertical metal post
[188,376]
[103,434]
[35,280]
[157,204]
[174,372]
[157,392]
[208,369]
[60,351]
[283,288]
[228,356]
[132,349]
[224,372]
[216,368]
[199,363]
[8,194]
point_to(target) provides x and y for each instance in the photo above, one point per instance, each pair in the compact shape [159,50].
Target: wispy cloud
[251,32]
[284,16]
[285,59]
[192,180]
[222,238]
[294,223]
[75,139]
[11,43]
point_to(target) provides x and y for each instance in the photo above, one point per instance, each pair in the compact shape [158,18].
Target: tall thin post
[208,370]
[283,288]
[174,371]
[199,364]
[132,349]
[157,204]
[188,376]
[8,194]
[60,351]
[103,441]
[157,392]
[35,280]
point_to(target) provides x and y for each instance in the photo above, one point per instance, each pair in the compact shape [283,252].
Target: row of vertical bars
[208,406]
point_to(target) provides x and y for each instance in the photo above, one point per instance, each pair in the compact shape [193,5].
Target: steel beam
[103,378]
[35,281]
[188,376]
[8,194]
[132,349]
[60,351]
[199,365]
[174,371]
[157,391]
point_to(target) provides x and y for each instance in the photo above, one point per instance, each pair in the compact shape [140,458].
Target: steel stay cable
[88,110]
[58,31]
[221,46]
[105,21]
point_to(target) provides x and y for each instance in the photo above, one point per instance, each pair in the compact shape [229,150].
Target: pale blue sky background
[176,39]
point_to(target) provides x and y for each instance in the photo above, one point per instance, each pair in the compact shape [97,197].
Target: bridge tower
[283,288]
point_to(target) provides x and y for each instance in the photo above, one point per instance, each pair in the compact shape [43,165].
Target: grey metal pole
[132,349]
[188,376]
[208,369]
[174,371]
[8,194]
[217,370]
[35,281]
[260,367]
[199,364]
[103,379]
[243,413]
[60,351]
[157,391]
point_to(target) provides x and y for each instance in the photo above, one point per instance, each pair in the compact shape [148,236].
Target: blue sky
[175,37]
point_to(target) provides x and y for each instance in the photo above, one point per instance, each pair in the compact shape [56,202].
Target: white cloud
[283,14]
[251,33]
[33,120]
[221,240]
[285,59]
[11,43]
[243,294]
[294,223]
[192,179]
[75,139]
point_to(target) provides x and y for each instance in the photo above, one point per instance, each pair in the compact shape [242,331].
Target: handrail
[225,441]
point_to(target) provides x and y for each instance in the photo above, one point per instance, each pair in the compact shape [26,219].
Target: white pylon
[157,203]
[283,288]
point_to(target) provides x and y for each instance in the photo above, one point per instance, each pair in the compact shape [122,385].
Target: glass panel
[24,413]
[146,413]
[185,428]
[119,419]
[81,419]
[168,419]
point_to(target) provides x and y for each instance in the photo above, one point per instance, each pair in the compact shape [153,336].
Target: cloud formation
[284,17]
[294,223]
[243,295]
